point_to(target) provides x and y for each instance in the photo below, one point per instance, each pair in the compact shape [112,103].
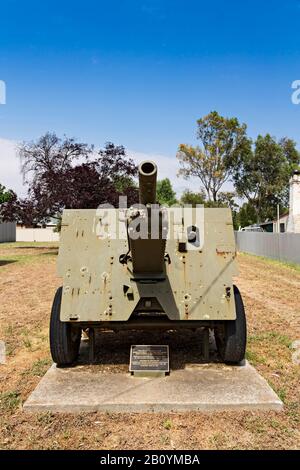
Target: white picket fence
[37,235]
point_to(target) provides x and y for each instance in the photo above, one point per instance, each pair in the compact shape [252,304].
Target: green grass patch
[26,258]
[27,343]
[26,339]
[8,246]
[8,330]
[293,411]
[271,336]
[10,340]
[167,424]
[274,262]
[255,358]
[282,394]
[45,418]
[280,391]
[217,440]
[38,368]
[260,347]
[9,401]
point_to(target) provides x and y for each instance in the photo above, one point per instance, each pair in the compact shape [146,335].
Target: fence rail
[280,246]
[7,232]
[37,235]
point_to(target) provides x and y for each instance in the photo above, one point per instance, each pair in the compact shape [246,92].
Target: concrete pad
[211,387]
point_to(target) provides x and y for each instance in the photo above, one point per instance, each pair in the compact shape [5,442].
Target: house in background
[272,225]
[51,224]
[289,222]
[293,225]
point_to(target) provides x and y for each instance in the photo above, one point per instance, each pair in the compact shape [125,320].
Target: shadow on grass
[37,248]
[7,261]
[52,253]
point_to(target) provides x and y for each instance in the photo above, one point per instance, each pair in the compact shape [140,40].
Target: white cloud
[10,175]
[168,167]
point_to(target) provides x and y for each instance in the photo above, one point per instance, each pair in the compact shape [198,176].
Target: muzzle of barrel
[147,182]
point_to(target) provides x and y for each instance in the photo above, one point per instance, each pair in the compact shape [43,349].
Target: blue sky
[140,73]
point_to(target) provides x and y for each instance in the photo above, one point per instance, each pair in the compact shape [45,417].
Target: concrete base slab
[211,387]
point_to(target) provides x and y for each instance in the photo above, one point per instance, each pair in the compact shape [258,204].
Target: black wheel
[64,337]
[231,337]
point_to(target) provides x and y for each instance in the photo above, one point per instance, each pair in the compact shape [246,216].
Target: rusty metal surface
[197,284]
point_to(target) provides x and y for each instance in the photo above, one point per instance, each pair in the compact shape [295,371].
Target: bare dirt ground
[27,285]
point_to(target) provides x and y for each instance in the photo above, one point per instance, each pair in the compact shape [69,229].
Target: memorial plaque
[149,360]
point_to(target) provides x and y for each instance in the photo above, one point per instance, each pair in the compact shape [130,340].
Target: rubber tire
[64,337]
[232,341]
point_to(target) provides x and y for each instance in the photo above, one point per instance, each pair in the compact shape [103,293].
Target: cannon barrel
[147,253]
[147,182]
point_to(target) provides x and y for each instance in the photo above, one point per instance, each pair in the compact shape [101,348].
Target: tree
[165,193]
[246,216]
[261,175]
[62,173]
[223,140]
[50,155]
[225,199]
[291,153]
[5,195]
[228,199]
[194,199]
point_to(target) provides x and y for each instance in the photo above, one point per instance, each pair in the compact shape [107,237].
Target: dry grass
[27,285]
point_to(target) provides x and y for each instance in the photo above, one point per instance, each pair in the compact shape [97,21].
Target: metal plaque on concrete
[149,360]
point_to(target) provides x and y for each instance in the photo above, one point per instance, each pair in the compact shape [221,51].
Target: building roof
[275,220]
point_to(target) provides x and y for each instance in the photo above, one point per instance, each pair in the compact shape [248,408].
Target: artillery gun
[147,267]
